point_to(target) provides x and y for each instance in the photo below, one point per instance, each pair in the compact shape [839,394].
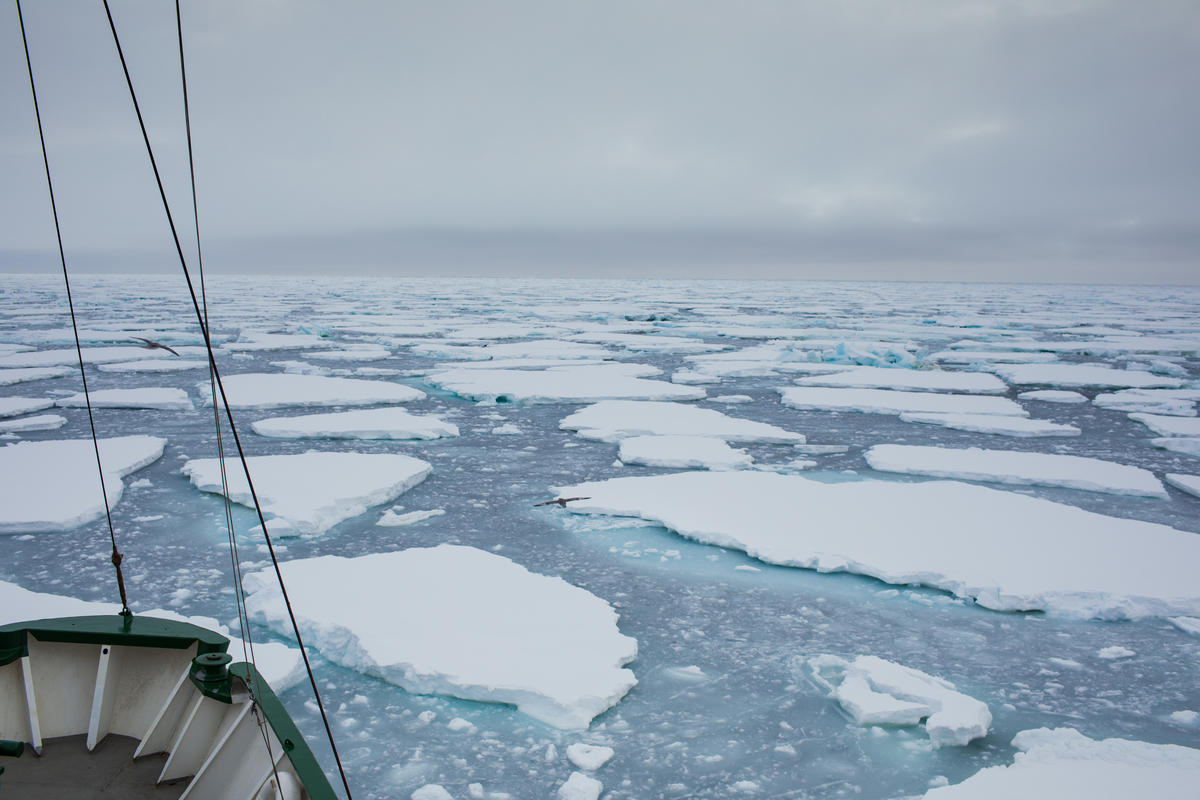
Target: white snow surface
[682,452]
[1015,467]
[1005,551]
[1080,375]
[8,377]
[459,621]
[1171,402]
[1185,483]
[53,485]
[580,787]
[311,492]
[1168,425]
[585,384]
[925,380]
[590,757]
[1188,445]
[875,691]
[993,423]
[281,665]
[613,420]
[40,422]
[1063,764]
[15,406]
[890,401]
[372,423]
[162,398]
[271,390]
[1053,396]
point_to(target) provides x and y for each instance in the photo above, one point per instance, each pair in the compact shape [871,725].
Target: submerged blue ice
[724,704]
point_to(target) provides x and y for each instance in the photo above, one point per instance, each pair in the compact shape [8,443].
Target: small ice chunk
[1016,467]
[1053,396]
[580,787]
[507,429]
[1114,652]
[590,757]
[391,519]
[682,452]
[431,791]
[732,399]
[1186,717]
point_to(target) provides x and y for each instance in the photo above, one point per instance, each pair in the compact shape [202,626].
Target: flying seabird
[154,345]
[560,501]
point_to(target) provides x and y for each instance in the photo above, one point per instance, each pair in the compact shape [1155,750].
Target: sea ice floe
[650,343]
[254,340]
[682,452]
[1185,483]
[311,492]
[994,423]
[1064,764]
[8,377]
[15,406]
[1015,467]
[889,401]
[1053,396]
[583,384]
[459,621]
[1188,445]
[1004,550]
[1169,426]
[393,519]
[93,355]
[154,365]
[590,757]
[580,787]
[613,420]
[991,356]
[924,380]
[356,352]
[162,398]
[281,665]
[1171,402]
[40,422]
[271,390]
[539,349]
[371,423]
[54,486]
[875,691]
[1079,375]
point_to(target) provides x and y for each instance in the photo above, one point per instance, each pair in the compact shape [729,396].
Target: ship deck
[67,771]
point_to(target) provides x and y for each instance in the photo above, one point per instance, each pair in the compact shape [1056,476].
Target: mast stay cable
[224,399]
[116,555]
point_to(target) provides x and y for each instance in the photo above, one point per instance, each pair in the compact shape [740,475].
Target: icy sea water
[748,721]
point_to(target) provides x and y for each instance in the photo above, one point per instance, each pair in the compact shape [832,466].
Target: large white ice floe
[991,356]
[309,493]
[875,691]
[1168,425]
[613,420]
[994,423]
[15,406]
[924,380]
[370,423]
[154,365]
[540,349]
[53,485]
[1188,445]
[162,398]
[255,340]
[1064,764]
[275,389]
[682,452]
[1171,402]
[281,665]
[39,422]
[585,384]
[459,621]
[8,377]
[650,343]
[1004,550]
[889,401]
[1015,467]
[1077,375]
[92,355]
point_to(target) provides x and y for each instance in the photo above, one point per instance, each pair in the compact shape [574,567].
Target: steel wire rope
[224,398]
[117,558]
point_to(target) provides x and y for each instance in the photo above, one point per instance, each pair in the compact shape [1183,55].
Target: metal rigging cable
[116,555]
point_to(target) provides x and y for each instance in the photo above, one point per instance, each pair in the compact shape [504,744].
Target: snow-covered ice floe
[925,380]
[53,486]
[280,664]
[458,621]
[1015,467]
[1171,402]
[1188,445]
[1053,396]
[889,401]
[271,390]
[1184,483]
[1005,551]
[371,423]
[613,420]
[585,384]
[682,452]
[8,377]
[155,365]
[994,423]
[1169,426]
[40,422]
[1080,375]
[15,406]
[875,691]
[991,356]
[162,398]
[309,493]
[1064,764]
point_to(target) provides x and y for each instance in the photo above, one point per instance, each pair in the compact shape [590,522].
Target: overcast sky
[989,140]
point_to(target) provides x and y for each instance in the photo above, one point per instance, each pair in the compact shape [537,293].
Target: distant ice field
[347,395]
